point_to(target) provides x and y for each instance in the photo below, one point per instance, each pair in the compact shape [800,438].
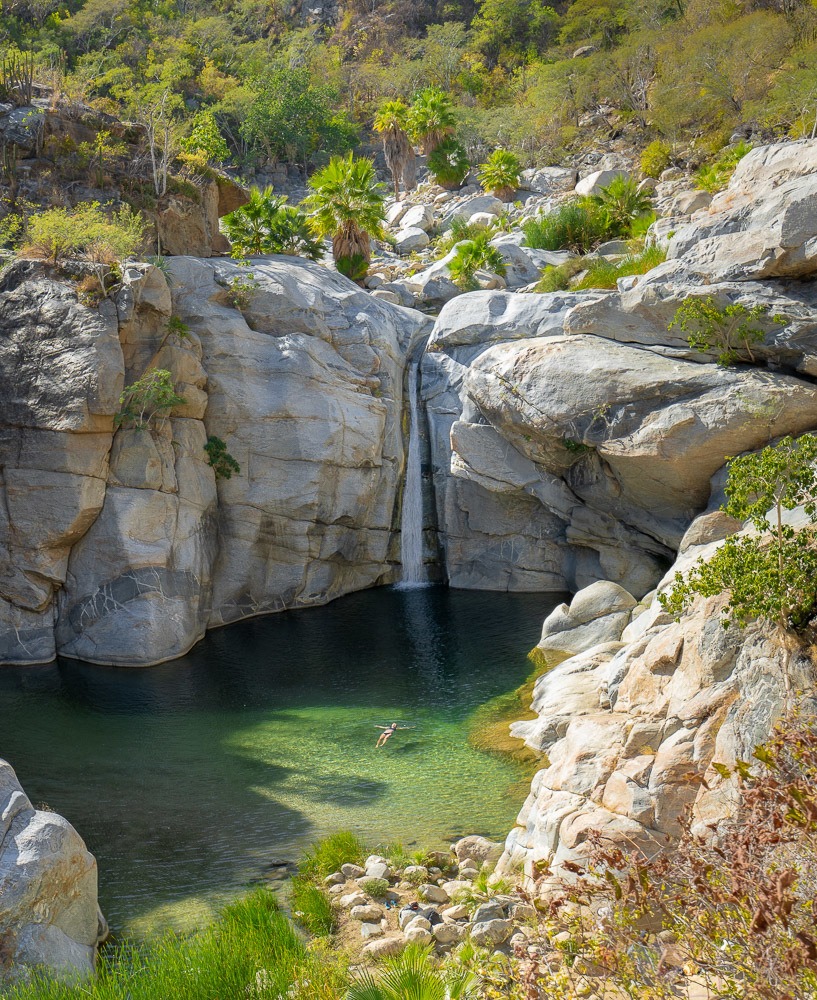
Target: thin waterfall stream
[411,524]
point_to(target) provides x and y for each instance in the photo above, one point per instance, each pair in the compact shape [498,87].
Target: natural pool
[190,779]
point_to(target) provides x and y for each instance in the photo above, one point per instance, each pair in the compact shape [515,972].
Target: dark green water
[188,780]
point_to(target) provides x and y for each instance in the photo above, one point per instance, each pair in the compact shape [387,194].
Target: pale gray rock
[764,225]
[465,210]
[549,180]
[366,912]
[597,614]
[476,850]
[369,931]
[61,373]
[677,696]
[353,899]
[447,934]
[411,239]
[49,917]
[352,871]
[491,932]
[593,183]
[384,947]
[418,217]
[431,893]
[418,935]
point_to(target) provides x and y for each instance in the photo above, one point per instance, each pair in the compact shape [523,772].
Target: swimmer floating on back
[387,732]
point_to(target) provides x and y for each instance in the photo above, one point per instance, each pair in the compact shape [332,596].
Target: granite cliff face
[119,546]
[571,437]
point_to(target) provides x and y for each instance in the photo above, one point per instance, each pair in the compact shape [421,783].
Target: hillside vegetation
[257,82]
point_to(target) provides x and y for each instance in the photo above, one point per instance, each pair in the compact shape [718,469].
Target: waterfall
[411,524]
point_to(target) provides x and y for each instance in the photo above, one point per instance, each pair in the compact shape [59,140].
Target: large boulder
[49,917]
[597,614]
[764,225]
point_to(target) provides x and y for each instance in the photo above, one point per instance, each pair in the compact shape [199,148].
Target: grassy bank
[253,950]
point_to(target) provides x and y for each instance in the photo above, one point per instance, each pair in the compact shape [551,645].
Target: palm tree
[500,174]
[412,975]
[431,118]
[347,204]
[266,224]
[622,202]
[391,121]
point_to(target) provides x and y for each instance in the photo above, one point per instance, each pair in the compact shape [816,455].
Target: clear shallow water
[190,779]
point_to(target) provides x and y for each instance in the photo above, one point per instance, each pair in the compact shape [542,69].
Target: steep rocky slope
[573,435]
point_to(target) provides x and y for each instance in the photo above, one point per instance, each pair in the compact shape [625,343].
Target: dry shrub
[730,914]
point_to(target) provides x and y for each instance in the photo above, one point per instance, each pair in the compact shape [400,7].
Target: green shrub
[500,174]
[86,232]
[730,331]
[311,907]
[460,230]
[205,139]
[714,176]
[578,226]
[471,256]
[769,574]
[153,395]
[656,158]
[219,459]
[327,855]
[266,224]
[448,164]
[556,277]
[412,975]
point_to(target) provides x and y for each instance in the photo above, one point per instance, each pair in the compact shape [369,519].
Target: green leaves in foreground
[411,974]
[770,574]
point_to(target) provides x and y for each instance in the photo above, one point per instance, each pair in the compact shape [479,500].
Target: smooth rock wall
[118,545]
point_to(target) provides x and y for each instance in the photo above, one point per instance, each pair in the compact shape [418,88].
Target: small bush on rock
[714,176]
[604,273]
[656,158]
[151,396]
[769,574]
[220,460]
[730,331]
[472,256]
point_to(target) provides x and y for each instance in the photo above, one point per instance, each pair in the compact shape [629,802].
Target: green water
[192,779]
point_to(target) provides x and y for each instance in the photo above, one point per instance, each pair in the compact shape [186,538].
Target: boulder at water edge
[48,890]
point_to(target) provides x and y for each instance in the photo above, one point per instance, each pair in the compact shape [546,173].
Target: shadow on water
[185,779]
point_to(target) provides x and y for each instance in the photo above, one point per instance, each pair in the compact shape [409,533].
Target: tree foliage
[346,202]
[151,397]
[267,225]
[770,572]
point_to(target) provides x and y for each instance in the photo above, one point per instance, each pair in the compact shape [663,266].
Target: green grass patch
[311,907]
[252,950]
[604,273]
[329,854]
